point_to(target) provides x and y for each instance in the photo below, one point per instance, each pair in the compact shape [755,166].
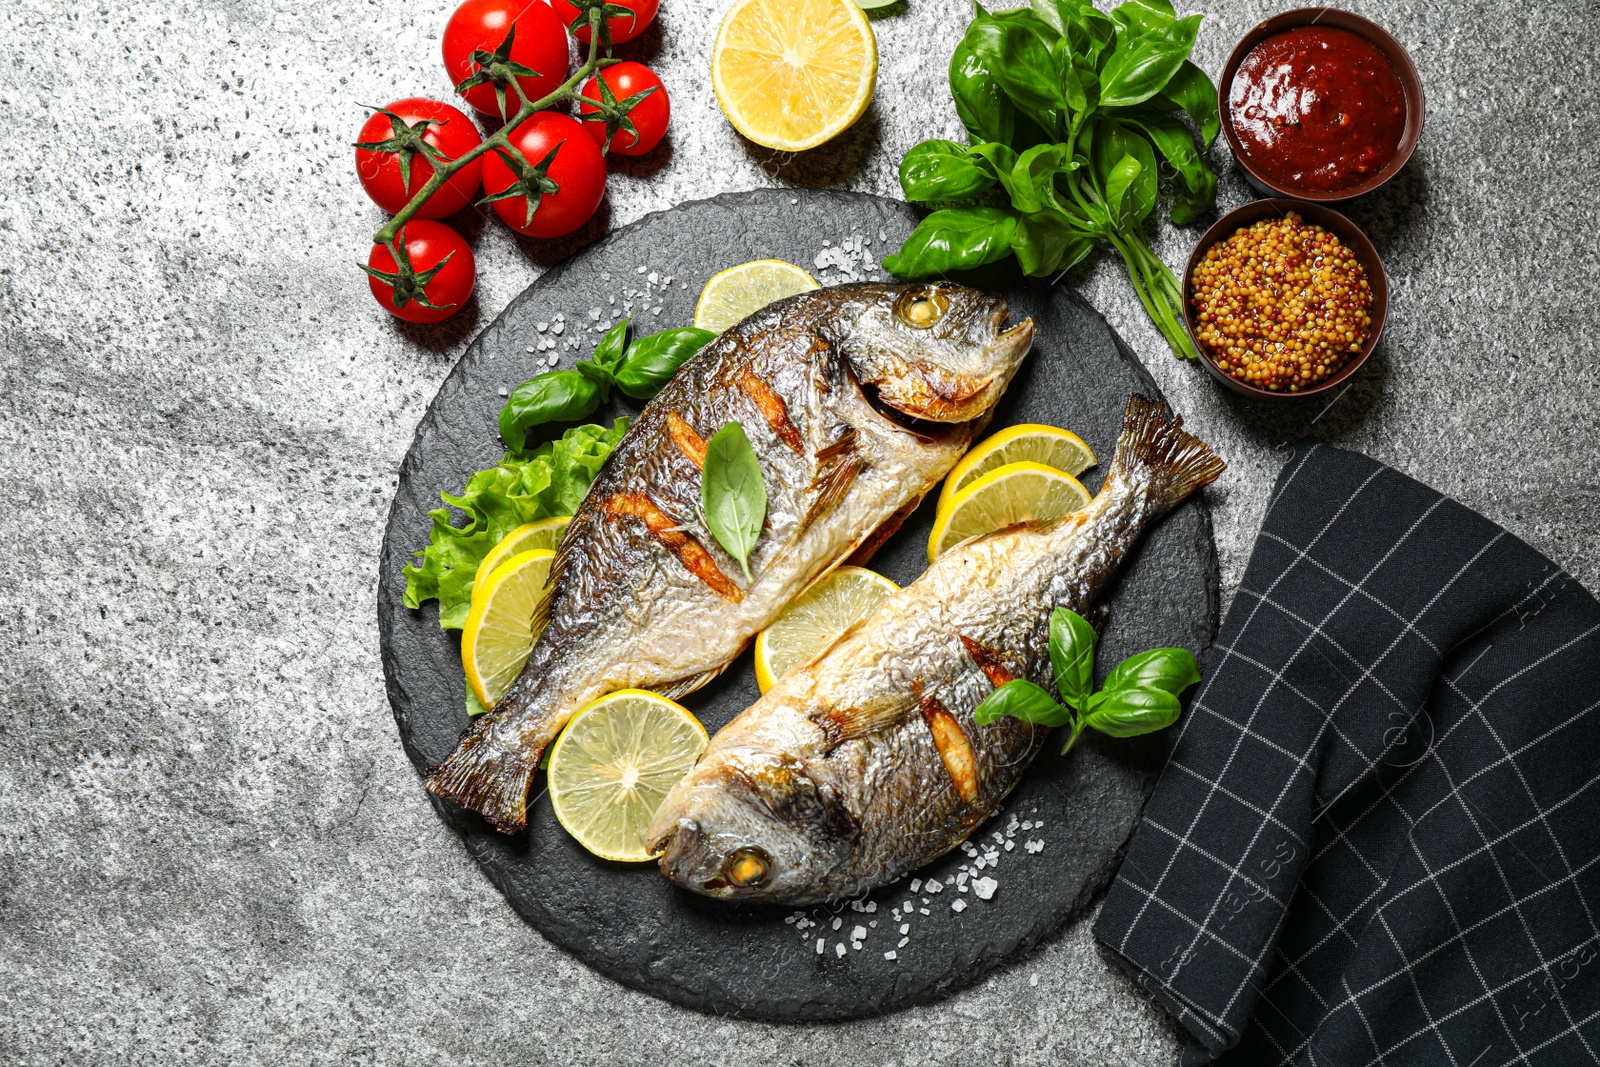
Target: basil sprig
[1070,113]
[1140,695]
[639,369]
[733,494]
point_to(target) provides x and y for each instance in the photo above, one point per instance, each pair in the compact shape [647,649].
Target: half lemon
[499,633]
[612,767]
[1016,492]
[816,617]
[791,74]
[739,292]
[1030,442]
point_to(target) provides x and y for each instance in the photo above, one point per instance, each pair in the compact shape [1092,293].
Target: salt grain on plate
[916,884]
[640,270]
[924,911]
[594,313]
[891,954]
[558,327]
[837,922]
[542,327]
[958,905]
[553,358]
[905,928]
[904,941]
[857,933]
[839,949]
[503,390]
[1010,845]
[932,886]
[985,888]
[822,943]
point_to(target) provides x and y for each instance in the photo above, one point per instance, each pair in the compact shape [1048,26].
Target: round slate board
[625,920]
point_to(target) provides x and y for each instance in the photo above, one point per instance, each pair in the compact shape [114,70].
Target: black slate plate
[625,920]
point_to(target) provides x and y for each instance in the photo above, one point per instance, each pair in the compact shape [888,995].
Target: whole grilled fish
[640,593]
[865,763]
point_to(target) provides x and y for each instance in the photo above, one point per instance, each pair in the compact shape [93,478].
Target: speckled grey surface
[212,849]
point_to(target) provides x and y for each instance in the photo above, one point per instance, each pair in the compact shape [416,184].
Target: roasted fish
[865,763]
[642,595]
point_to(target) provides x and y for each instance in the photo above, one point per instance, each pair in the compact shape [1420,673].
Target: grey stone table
[212,848]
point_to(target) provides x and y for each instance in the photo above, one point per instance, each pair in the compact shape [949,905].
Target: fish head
[931,350]
[751,827]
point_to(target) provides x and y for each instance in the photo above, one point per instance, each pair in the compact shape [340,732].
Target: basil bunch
[1140,694]
[639,369]
[1068,109]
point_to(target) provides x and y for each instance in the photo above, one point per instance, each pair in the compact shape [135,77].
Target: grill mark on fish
[955,751]
[670,533]
[773,409]
[689,442]
[988,661]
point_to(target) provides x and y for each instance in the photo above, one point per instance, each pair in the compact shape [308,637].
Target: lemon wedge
[1010,494]
[499,633]
[741,291]
[791,74]
[612,767]
[813,619]
[545,533]
[1050,445]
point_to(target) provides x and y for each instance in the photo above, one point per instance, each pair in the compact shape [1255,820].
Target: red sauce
[1317,109]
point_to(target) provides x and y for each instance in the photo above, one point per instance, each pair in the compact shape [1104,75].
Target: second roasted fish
[642,596]
[866,763]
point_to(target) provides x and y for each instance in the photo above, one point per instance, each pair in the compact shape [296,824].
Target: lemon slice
[612,767]
[817,616]
[546,533]
[791,74]
[741,291]
[499,633]
[1054,447]
[1013,493]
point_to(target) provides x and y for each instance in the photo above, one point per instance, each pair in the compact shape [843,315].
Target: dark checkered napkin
[1378,840]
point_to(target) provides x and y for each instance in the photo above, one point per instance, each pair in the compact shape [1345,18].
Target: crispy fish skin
[641,595]
[865,763]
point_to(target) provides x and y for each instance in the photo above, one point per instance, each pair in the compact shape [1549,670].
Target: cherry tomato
[427,244]
[579,171]
[649,116]
[451,132]
[540,44]
[623,27]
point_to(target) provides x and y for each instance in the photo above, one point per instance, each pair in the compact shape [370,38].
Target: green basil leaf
[1169,669]
[1072,642]
[1136,188]
[555,396]
[984,109]
[652,360]
[1145,16]
[1021,699]
[944,170]
[1141,66]
[1193,92]
[1133,711]
[608,353]
[1017,53]
[1198,185]
[733,495]
[1093,33]
[954,239]
[1047,242]
[1049,12]
[1030,181]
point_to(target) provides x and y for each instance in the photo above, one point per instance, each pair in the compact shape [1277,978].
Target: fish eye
[747,868]
[921,308]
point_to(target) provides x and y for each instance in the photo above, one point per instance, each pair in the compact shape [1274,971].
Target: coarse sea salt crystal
[958,905]
[872,923]
[822,943]
[1010,845]
[985,888]
[924,911]
[640,270]
[903,942]
[1033,980]
[857,933]
[652,278]
[542,327]
[503,391]
[840,950]
[837,922]
[905,928]
[594,313]
[916,884]
[872,906]
[891,955]
[932,885]
[553,358]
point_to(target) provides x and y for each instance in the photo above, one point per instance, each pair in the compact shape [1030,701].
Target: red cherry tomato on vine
[540,44]
[649,116]
[623,27]
[579,170]
[451,132]
[427,245]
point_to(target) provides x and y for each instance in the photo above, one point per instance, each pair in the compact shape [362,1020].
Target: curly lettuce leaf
[546,481]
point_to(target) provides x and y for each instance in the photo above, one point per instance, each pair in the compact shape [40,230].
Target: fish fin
[839,465]
[863,553]
[684,686]
[839,725]
[485,776]
[552,581]
[1174,461]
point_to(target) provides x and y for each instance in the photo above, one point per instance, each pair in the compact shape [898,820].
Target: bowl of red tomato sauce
[1320,104]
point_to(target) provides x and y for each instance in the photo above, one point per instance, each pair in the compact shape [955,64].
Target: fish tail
[486,776]
[1158,452]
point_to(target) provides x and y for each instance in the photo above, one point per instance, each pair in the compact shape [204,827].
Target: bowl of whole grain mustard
[1284,299]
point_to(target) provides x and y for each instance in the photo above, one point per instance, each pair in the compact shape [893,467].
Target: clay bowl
[1317,215]
[1410,81]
